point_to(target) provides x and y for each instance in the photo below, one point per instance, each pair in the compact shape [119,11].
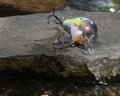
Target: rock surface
[12,7]
[50,67]
[24,71]
[31,34]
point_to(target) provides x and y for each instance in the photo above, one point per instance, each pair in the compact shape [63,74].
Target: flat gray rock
[30,34]
[19,35]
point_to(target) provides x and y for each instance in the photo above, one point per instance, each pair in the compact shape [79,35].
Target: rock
[105,68]
[15,7]
[24,35]
[49,67]
[31,35]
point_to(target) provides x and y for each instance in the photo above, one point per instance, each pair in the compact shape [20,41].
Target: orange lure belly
[78,40]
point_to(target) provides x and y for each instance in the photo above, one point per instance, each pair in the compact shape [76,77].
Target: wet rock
[49,67]
[16,7]
[40,75]
[107,69]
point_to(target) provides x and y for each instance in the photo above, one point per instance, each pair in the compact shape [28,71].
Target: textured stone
[10,7]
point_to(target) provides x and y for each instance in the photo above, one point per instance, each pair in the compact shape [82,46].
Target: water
[94,5]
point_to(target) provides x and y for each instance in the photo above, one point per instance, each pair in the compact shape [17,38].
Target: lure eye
[74,24]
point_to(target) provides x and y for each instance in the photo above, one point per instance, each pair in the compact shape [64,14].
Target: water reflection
[94,5]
